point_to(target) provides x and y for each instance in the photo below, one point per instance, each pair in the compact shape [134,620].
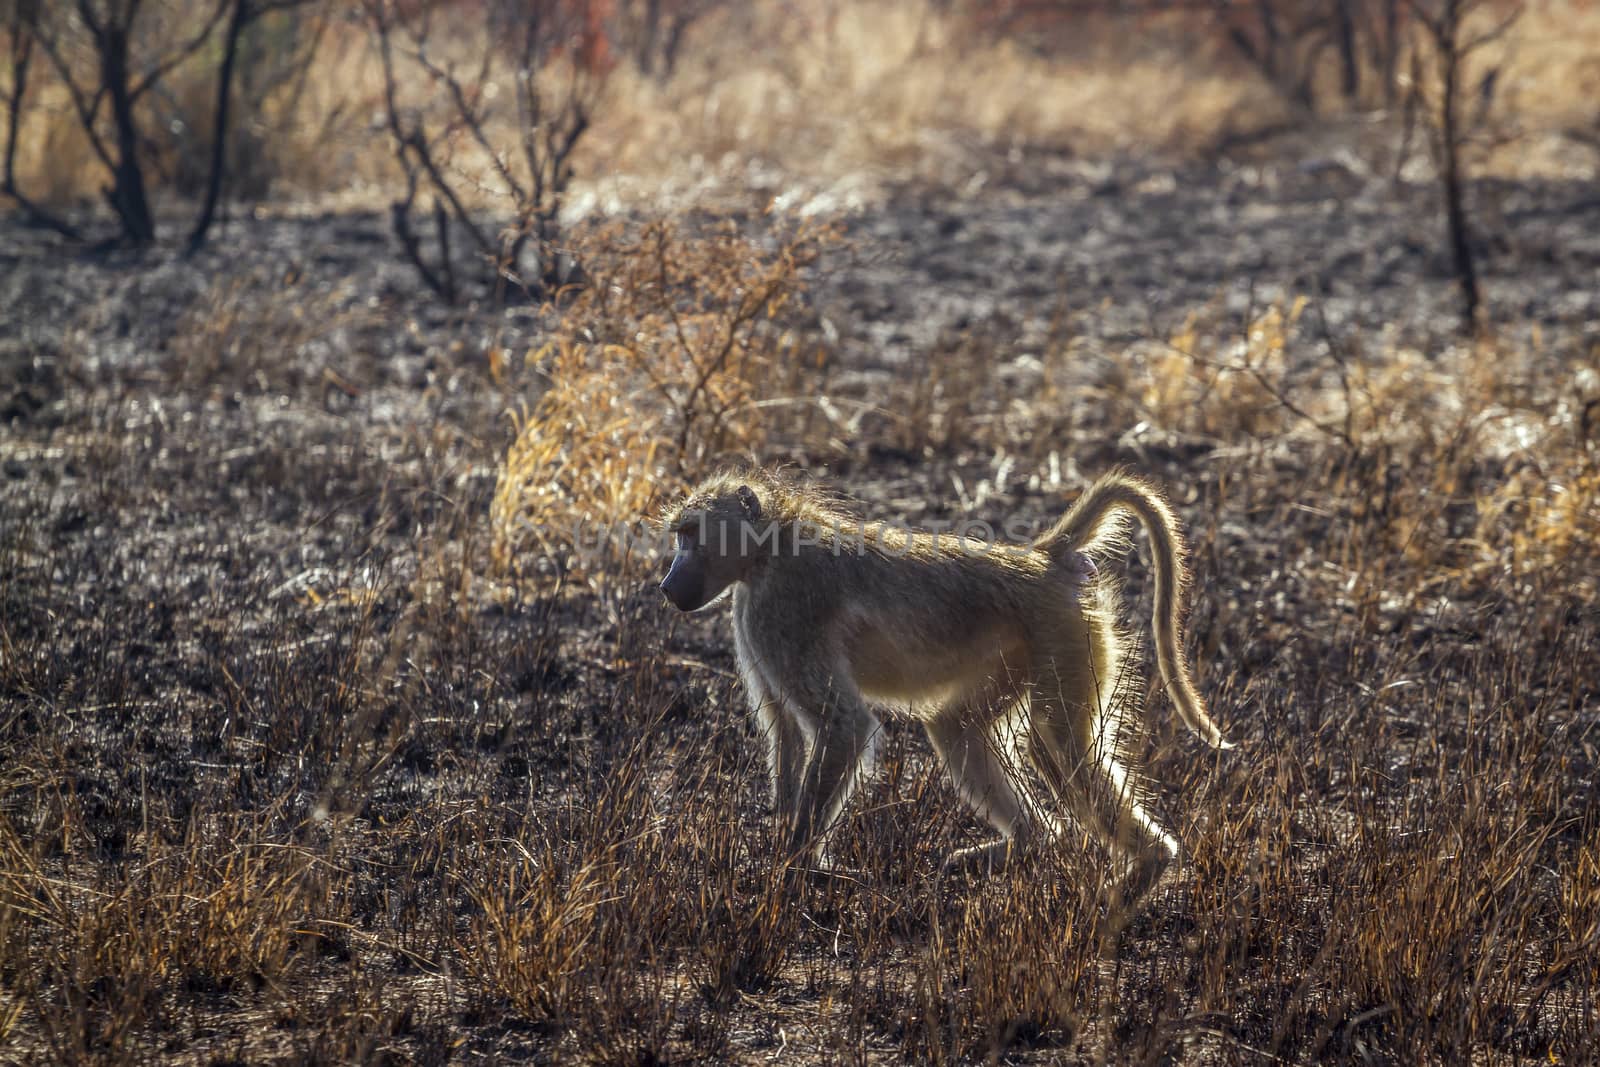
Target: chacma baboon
[1009,654]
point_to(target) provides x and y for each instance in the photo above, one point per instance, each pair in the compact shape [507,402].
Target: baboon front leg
[841,754]
[985,775]
[786,757]
[786,736]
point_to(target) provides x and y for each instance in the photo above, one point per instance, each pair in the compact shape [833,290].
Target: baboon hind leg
[984,769]
[1149,848]
[1069,746]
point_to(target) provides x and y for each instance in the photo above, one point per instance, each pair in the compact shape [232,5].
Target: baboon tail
[1097,517]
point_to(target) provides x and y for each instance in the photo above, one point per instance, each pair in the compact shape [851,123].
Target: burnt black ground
[243,474]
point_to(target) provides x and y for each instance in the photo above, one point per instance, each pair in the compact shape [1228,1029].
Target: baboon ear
[749,502]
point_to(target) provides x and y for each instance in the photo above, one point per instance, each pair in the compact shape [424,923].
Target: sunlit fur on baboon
[1008,654]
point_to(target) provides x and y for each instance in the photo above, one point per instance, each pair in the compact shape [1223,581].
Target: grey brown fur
[1009,655]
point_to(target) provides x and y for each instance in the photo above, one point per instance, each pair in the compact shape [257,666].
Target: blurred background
[820,102]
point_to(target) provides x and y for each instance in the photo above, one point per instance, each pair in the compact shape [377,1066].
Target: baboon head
[716,543]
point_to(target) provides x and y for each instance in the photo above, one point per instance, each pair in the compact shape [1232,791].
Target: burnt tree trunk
[1450,164]
[127,194]
[1389,56]
[1349,64]
[237,20]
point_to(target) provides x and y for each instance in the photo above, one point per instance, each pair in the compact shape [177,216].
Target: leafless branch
[167,63]
[521,38]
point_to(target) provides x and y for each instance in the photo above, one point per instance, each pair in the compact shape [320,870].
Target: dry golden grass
[1442,413]
[826,100]
[842,96]
[1200,382]
[1549,67]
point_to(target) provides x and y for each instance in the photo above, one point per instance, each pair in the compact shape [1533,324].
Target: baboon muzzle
[684,585]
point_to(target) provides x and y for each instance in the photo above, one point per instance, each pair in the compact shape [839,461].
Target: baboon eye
[685,538]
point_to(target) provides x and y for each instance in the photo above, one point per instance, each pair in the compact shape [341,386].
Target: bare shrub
[1209,380]
[497,131]
[142,81]
[1444,79]
[670,359]
[22,38]
[283,55]
[1307,52]
[653,32]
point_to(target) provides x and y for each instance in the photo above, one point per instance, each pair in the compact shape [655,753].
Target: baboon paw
[1142,878]
[979,860]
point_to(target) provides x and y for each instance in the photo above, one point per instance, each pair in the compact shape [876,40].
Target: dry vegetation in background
[827,100]
[324,738]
